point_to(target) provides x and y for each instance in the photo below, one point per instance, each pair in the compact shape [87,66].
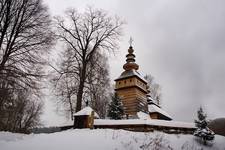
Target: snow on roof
[142,115]
[153,122]
[153,108]
[149,98]
[130,73]
[86,111]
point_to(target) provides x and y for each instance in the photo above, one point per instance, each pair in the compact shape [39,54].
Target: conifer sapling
[202,131]
[115,108]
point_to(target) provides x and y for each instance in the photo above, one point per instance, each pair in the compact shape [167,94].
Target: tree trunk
[71,107]
[81,89]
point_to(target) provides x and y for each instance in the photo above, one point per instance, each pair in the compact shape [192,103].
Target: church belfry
[131,87]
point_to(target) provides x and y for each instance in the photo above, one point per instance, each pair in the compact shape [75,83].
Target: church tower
[131,87]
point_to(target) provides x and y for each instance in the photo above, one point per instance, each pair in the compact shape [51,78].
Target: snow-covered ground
[103,139]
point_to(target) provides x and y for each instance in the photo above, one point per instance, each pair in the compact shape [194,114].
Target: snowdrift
[102,139]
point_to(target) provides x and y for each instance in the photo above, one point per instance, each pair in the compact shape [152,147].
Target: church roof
[130,67]
[131,73]
[154,108]
[130,61]
[86,111]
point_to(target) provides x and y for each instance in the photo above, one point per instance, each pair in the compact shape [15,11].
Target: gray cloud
[181,43]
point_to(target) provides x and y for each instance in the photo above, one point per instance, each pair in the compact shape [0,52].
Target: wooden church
[141,111]
[133,90]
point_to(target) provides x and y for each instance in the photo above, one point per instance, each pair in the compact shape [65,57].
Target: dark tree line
[25,37]
[19,113]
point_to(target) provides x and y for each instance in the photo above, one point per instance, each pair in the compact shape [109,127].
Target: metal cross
[131,41]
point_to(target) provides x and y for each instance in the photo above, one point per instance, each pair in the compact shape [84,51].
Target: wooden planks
[132,92]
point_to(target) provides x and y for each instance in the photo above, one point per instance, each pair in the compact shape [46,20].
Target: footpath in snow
[103,139]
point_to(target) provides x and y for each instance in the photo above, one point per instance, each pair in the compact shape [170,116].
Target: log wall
[132,92]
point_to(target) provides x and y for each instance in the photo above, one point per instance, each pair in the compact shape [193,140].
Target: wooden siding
[132,92]
[154,116]
[130,82]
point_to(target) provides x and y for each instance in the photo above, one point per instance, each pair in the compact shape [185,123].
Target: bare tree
[155,89]
[65,79]
[85,34]
[98,84]
[155,143]
[96,87]
[25,36]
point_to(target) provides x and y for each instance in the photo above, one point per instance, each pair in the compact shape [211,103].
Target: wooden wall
[129,82]
[132,92]
[154,115]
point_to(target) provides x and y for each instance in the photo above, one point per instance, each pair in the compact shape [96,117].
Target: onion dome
[130,60]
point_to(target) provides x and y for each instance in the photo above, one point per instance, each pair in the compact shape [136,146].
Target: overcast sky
[180,42]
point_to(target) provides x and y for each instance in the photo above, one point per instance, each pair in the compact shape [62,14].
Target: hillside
[102,139]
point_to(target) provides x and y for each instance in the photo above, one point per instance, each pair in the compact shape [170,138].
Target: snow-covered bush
[202,131]
[156,142]
[206,134]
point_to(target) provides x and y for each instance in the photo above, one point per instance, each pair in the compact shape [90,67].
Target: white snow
[86,111]
[130,73]
[144,120]
[153,122]
[102,139]
[153,108]
[142,115]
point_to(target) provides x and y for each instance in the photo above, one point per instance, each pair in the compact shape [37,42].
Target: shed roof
[152,108]
[86,111]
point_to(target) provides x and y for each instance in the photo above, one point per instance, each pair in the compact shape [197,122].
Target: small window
[125,82]
[130,80]
[119,82]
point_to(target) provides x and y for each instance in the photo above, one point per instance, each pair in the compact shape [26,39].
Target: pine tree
[115,108]
[203,132]
[201,121]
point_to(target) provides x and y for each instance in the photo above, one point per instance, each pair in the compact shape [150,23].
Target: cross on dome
[130,61]
[131,41]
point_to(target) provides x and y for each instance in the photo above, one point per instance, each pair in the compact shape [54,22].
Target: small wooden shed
[85,118]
